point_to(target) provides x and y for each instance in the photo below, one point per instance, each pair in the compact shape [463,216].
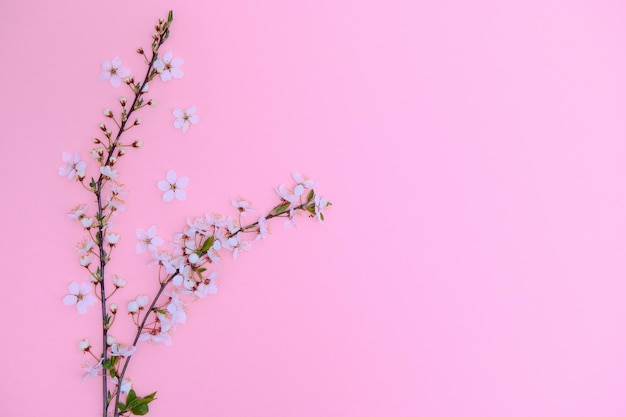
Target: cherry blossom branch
[105,175]
[120,377]
[281,210]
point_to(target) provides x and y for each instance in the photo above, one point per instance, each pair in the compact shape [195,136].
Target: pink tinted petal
[152,231]
[194,119]
[178,113]
[81,307]
[85,287]
[104,75]
[170,176]
[177,73]
[181,195]
[168,196]
[73,287]
[190,110]
[166,76]
[70,300]
[163,185]
[182,182]
[106,66]
[158,64]
[185,127]
[141,235]
[140,248]
[167,57]
[116,62]
[115,81]
[123,72]
[89,300]
[157,241]
[178,123]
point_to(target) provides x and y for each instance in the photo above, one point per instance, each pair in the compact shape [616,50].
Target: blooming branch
[188,269]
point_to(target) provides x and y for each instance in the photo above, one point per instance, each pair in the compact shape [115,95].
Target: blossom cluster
[187,269]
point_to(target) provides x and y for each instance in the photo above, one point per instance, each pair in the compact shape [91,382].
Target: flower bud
[152,102]
[121,152]
[102,127]
[133,307]
[84,345]
[155,36]
[110,340]
[137,122]
[108,112]
[85,260]
[113,308]
[96,141]
[123,101]
[118,281]
[112,240]
[137,144]
[140,50]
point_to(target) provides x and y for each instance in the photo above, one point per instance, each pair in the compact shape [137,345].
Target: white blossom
[173,187]
[185,118]
[242,206]
[169,67]
[81,296]
[148,240]
[73,166]
[114,72]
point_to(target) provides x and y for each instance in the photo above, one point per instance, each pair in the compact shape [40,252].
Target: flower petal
[171,176]
[163,185]
[168,196]
[166,76]
[181,195]
[182,182]
[70,300]
[177,73]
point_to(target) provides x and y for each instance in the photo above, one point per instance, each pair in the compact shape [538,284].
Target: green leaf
[207,244]
[108,364]
[310,196]
[170,16]
[280,209]
[121,407]
[140,409]
[131,396]
[201,270]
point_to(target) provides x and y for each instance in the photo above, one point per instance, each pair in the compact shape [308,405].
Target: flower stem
[102,217]
[140,328]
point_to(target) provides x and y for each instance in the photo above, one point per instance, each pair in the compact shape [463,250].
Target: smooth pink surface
[473,263]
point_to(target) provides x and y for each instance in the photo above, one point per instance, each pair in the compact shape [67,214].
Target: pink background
[473,263]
